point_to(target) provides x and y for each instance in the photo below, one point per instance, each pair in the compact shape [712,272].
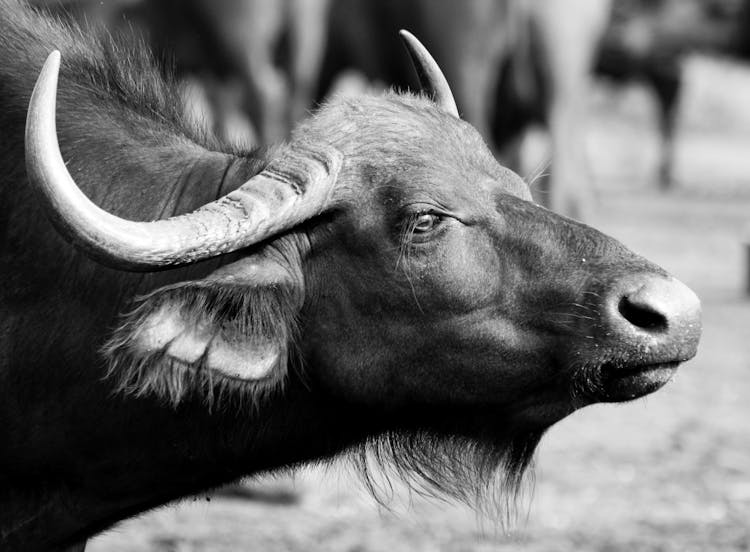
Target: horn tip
[407,36]
[51,68]
[53,60]
[430,76]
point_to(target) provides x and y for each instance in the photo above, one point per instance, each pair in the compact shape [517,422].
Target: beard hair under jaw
[490,474]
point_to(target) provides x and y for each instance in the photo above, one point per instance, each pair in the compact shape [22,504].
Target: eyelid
[412,235]
[440,212]
[417,209]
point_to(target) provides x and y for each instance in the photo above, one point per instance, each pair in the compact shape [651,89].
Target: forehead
[407,139]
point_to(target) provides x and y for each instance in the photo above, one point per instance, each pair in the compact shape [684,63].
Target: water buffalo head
[384,258]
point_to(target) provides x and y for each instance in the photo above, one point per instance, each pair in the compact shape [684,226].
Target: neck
[121,456]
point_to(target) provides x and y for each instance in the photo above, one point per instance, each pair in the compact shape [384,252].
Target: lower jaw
[625,385]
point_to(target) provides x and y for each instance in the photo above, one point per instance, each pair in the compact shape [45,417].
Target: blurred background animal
[249,67]
[253,68]
[512,64]
[647,41]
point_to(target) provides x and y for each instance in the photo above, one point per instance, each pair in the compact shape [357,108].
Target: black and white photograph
[374,275]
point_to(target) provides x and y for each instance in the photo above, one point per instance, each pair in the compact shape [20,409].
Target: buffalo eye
[421,226]
[425,222]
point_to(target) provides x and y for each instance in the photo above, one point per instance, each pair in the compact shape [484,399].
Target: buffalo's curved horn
[430,76]
[294,187]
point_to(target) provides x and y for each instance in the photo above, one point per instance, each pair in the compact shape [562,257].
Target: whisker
[539,172]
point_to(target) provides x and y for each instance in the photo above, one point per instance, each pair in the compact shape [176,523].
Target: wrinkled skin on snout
[442,284]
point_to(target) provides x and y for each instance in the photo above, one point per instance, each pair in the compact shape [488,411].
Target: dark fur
[483,471]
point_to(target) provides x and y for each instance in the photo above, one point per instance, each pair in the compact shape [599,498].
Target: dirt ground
[668,473]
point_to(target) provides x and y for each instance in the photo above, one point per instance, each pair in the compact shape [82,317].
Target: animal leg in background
[308,31]
[578,25]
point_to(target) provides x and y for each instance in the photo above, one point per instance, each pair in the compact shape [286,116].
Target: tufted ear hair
[234,330]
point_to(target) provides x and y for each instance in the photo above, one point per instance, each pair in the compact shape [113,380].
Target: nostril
[642,315]
[654,311]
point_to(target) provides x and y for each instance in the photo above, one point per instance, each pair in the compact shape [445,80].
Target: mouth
[624,383]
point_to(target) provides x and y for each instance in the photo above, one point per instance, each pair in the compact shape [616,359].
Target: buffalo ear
[236,327]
